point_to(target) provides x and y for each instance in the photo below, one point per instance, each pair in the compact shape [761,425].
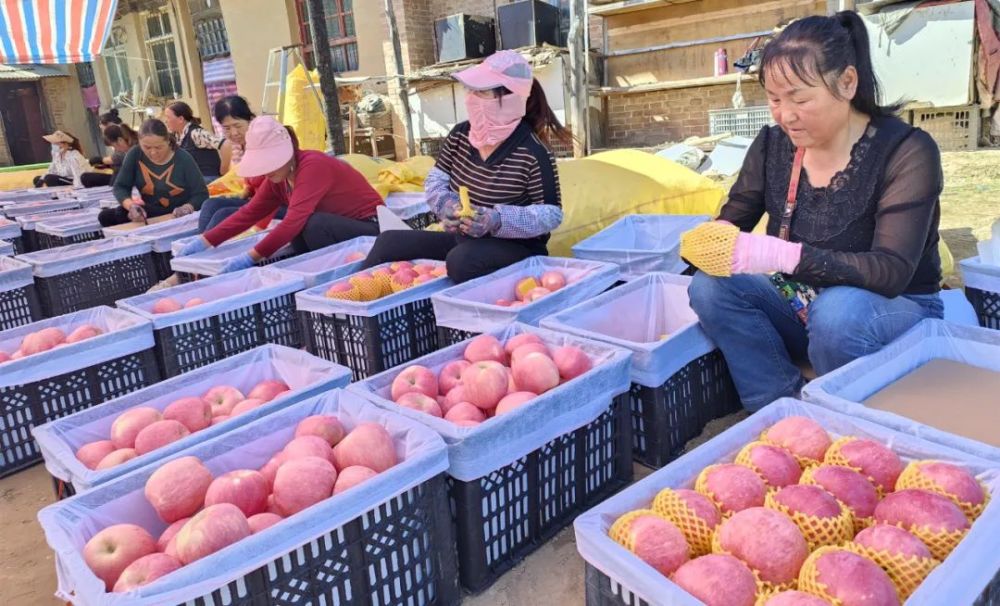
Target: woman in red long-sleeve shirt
[327,200]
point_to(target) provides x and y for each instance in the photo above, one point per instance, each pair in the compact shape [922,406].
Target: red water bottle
[721,62]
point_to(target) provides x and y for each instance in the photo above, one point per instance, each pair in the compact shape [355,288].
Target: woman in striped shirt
[501,155]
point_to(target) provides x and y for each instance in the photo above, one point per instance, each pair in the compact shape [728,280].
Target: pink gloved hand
[755,254]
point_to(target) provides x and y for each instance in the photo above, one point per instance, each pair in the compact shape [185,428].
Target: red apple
[112,550]
[263,521]
[308,446]
[214,528]
[158,435]
[351,477]
[535,372]
[324,426]
[82,333]
[244,488]
[522,339]
[416,378]
[177,489]
[116,458]
[354,256]
[368,445]
[193,413]
[271,468]
[193,302]
[536,293]
[484,348]
[339,287]
[514,401]
[267,390]
[145,570]
[301,483]
[404,277]
[463,411]
[423,278]
[168,534]
[440,271]
[128,425]
[165,305]
[4,357]
[451,376]
[571,362]
[222,399]
[220,419]
[553,280]
[484,383]
[398,265]
[526,349]
[456,395]
[420,403]
[92,453]
[502,303]
[246,406]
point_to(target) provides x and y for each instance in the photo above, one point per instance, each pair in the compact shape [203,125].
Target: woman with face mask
[501,155]
[167,178]
[68,163]
[850,259]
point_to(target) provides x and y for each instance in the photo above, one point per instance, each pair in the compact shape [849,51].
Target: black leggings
[96,179]
[466,258]
[325,229]
[51,180]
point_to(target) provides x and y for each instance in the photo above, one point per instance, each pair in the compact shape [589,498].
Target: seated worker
[234,114]
[68,163]
[120,138]
[500,155]
[851,192]
[327,201]
[167,178]
[211,152]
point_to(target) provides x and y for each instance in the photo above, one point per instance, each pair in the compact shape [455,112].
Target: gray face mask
[56,148]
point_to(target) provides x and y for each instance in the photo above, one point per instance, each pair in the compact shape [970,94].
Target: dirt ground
[970,203]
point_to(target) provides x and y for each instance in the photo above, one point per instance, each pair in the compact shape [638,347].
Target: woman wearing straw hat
[501,155]
[67,164]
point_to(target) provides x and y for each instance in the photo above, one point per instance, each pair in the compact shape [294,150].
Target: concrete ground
[970,203]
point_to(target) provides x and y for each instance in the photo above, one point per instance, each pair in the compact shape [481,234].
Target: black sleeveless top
[875,226]
[208,160]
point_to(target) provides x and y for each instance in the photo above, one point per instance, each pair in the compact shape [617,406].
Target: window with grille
[212,38]
[116,61]
[163,54]
[340,29]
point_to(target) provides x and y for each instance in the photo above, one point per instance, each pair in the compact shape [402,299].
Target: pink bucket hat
[503,68]
[268,148]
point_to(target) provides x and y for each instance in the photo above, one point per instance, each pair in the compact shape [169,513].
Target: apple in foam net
[405,276]
[483,348]
[324,426]
[399,265]
[110,551]
[416,378]
[420,403]
[127,426]
[222,399]
[193,413]
[536,373]
[339,287]
[244,488]
[145,570]
[214,528]
[451,376]
[177,489]
[485,383]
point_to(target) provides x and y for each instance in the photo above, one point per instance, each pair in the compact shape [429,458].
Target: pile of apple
[143,429]
[384,281]
[166,305]
[492,379]
[206,514]
[532,289]
[800,519]
[50,338]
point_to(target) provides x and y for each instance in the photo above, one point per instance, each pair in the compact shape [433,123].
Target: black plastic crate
[161,264]
[504,516]
[370,344]
[29,240]
[185,277]
[18,244]
[190,345]
[401,552]
[32,404]
[19,306]
[421,221]
[46,241]
[602,591]
[450,336]
[664,418]
[987,306]
[100,284]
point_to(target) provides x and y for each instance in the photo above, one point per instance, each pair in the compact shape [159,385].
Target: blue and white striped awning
[54,31]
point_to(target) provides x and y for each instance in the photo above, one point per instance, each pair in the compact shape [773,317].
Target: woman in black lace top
[857,263]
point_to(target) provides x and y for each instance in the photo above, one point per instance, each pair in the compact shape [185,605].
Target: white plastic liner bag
[407,205]
[958,580]
[124,334]
[209,262]
[314,299]
[74,257]
[305,375]
[160,235]
[846,388]
[29,208]
[70,523]
[640,244]
[635,316]
[9,229]
[328,263]
[471,306]
[979,275]
[221,294]
[28,222]
[14,273]
[11,198]
[69,228]
[6,248]
[474,452]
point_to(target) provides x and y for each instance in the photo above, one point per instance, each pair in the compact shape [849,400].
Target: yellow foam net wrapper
[619,531]
[398,287]
[697,532]
[348,295]
[912,478]
[368,288]
[701,486]
[939,542]
[763,587]
[859,522]
[803,461]
[817,531]
[835,456]
[906,572]
[709,247]
[743,458]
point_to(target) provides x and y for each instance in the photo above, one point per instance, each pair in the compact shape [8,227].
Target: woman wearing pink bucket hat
[327,201]
[501,155]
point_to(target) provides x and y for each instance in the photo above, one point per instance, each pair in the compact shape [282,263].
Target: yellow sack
[947,260]
[303,111]
[600,189]
[229,184]
[366,165]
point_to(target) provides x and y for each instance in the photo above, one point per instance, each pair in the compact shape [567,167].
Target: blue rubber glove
[449,214]
[193,247]
[238,263]
[483,223]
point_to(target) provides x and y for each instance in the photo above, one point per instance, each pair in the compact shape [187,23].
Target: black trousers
[325,229]
[465,258]
[113,216]
[51,181]
[96,179]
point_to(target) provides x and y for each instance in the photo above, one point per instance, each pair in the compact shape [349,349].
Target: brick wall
[655,118]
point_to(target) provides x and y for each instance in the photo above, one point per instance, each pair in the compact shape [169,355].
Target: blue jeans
[217,210]
[760,336]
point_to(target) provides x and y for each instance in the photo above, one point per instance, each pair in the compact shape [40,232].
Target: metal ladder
[278,62]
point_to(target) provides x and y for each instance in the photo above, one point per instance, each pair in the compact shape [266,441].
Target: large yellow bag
[600,189]
[303,111]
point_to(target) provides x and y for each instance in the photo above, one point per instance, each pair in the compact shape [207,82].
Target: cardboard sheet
[951,396]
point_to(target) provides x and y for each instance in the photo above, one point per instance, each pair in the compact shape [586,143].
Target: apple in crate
[368,445]
[323,426]
[522,339]
[420,403]
[526,349]
[536,293]
[215,527]
[414,379]
[92,453]
[246,406]
[351,477]
[485,383]
[571,362]
[463,411]
[168,534]
[223,398]
[553,280]
[109,552]
[116,458]
[158,435]
[193,302]
[267,390]
[484,348]
[308,446]
[244,488]
[145,570]
[301,483]
[535,372]
[263,521]
[193,413]
[354,256]
[400,265]
[165,305]
[451,376]
[177,489]
[82,333]
[513,401]
[127,426]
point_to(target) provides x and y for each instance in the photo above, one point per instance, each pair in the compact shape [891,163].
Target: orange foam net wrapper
[743,458]
[701,487]
[763,587]
[803,461]
[697,532]
[348,295]
[906,572]
[834,456]
[369,288]
[860,523]
[939,542]
[912,478]
[817,531]
[709,247]
[809,576]
[397,287]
